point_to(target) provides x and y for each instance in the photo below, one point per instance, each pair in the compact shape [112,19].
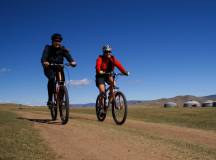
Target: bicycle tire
[100,113]
[53,110]
[64,104]
[116,109]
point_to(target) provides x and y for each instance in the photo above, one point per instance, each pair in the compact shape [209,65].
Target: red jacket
[108,64]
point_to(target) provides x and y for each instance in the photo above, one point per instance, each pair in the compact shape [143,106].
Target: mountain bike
[112,98]
[60,96]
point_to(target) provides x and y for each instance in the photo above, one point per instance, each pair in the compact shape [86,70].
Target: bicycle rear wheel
[53,109]
[99,106]
[63,104]
[119,108]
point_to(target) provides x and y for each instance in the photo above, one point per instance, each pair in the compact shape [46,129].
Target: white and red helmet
[107,48]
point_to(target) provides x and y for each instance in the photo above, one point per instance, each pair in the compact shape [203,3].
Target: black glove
[73,64]
[126,73]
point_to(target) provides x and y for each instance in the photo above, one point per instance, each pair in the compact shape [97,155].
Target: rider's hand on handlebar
[73,64]
[126,73]
[46,64]
[101,72]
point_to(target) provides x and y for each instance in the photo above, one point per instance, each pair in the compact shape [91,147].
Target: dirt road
[84,138]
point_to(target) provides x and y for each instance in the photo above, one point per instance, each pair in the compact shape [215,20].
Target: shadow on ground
[47,121]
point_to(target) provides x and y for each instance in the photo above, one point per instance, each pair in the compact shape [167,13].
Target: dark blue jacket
[55,55]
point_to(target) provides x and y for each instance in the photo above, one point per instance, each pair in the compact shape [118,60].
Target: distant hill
[83,105]
[158,102]
[178,99]
[211,97]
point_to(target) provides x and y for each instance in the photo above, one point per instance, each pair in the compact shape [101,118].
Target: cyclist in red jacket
[105,64]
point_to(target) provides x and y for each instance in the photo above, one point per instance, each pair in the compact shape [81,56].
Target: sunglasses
[107,52]
[57,40]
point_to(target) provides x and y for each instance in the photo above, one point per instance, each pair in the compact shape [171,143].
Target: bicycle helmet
[106,48]
[56,36]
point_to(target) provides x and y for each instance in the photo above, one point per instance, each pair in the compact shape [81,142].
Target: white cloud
[4,70]
[82,82]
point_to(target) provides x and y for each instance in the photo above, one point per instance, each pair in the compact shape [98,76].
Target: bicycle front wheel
[53,109]
[63,104]
[119,108]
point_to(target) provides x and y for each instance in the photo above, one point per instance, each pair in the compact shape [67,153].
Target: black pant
[51,74]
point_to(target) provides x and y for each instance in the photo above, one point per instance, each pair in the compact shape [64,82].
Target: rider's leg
[111,82]
[101,88]
[51,88]
[100,83]
[50,74]
[102,100]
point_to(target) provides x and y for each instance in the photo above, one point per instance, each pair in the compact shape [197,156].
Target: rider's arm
[44,57]
[119,66]
[98,65]
[69,58]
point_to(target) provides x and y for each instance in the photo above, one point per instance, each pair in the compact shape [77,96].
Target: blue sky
[168,46]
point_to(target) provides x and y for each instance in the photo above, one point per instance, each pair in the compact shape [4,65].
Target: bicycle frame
[59,80]
[112,87]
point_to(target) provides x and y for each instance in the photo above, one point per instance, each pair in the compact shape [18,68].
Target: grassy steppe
[15,133]
[202,118]
[19,141]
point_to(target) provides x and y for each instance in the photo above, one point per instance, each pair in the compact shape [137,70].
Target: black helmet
[56,36]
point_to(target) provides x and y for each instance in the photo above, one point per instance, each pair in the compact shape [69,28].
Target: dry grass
[18,139]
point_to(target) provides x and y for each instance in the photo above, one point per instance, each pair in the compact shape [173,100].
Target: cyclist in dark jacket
[54,53]
[105,64]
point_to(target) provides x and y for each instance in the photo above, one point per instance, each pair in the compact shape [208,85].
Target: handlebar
[115,74]
[61,65]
